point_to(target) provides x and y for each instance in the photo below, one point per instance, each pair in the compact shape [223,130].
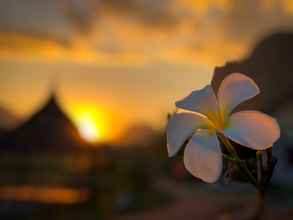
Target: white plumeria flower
[208,114]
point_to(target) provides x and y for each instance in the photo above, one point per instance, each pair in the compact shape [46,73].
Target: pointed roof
[49,129]
[51,106]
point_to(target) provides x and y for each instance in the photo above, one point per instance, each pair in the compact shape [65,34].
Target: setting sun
[91,122]
[89,130]
[95,123]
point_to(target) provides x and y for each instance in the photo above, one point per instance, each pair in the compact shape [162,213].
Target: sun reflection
[47,195]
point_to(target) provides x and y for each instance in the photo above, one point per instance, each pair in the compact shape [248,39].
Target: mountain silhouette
[270,64]
[49,129]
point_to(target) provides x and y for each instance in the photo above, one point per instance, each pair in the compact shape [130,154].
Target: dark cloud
[40,19]
[56,20]
[61,20]
[247,19]
[151,13]
[82,13]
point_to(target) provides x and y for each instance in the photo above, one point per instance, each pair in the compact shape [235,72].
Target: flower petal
[180,127]
[203,157]
[235,89]
[253,129]
[203,101]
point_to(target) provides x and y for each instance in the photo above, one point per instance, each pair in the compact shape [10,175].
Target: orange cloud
[202,6]
[22,47]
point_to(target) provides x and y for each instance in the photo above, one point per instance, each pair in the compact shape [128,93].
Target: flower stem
[240,163]
[257,182]
[229,157]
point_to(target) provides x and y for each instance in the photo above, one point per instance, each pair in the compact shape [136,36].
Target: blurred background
[86,87]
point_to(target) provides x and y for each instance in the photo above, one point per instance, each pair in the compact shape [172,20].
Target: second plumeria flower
[207,115]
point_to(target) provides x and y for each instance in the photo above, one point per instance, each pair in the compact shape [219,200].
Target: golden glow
[288,5]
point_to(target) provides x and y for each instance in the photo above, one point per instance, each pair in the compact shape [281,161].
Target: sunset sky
[122,62]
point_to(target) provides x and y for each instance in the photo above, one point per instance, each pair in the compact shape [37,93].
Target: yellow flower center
[219,120]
